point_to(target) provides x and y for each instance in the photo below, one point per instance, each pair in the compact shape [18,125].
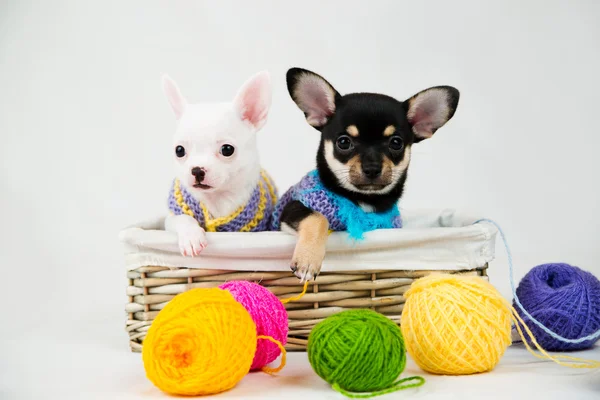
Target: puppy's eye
[179,151]
[396,143]
[227,150]
[344,143]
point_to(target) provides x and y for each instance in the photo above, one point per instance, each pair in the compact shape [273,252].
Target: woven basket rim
[444,240]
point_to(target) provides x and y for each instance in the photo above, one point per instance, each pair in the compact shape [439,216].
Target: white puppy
[219,184]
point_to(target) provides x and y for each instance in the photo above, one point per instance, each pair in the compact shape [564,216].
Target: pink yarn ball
[269,315]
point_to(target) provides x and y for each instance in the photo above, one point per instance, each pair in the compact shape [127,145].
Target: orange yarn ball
[202,342]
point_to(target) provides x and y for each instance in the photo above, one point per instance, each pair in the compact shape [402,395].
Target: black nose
[371,171]
[198,173]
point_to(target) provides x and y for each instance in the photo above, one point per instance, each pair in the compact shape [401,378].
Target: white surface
[56,365]
[429,240]
[86,136]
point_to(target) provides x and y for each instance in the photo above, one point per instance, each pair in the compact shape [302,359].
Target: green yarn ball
[357,350]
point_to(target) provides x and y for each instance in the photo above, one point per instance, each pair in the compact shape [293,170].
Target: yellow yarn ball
[202,342]
[455,325]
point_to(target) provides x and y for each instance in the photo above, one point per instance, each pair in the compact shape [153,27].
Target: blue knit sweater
[342,213]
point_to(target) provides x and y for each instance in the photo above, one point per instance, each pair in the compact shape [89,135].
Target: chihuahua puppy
[219,184]
[362,162]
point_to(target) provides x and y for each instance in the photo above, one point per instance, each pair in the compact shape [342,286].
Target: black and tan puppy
[363,157]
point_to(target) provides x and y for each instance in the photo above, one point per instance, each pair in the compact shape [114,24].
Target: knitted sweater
[342,214]
[253,216]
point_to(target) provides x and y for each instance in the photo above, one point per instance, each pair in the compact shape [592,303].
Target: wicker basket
[373,273]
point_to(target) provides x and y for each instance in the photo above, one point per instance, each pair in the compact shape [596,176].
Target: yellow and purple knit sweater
[254,216]
[342,213]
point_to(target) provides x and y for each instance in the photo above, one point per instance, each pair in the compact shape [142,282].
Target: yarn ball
[357,350]
[202,342]
[455,325]
[565,299]
[269,315]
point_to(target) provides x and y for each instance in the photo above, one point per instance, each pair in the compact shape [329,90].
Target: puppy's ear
[313,95]
[174,96]
[429,110]
[253,100]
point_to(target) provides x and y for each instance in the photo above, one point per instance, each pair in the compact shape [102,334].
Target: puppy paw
[192,240]
[307,260]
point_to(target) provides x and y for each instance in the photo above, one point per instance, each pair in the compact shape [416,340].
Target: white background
[86,132]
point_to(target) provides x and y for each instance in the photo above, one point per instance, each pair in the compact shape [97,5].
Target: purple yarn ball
[566,300]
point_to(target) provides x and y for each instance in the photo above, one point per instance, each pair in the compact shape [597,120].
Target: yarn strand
[518,321]
[397,386]
[297,297]
[269,370]
[559,359]
[555,335]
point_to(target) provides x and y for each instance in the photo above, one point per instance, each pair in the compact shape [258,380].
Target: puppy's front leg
[192,238]
[312,230]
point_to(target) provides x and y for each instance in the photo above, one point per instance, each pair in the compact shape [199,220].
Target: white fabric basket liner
[444,240]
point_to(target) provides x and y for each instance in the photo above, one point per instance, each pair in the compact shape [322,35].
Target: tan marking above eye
[352,130]
[389,130]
